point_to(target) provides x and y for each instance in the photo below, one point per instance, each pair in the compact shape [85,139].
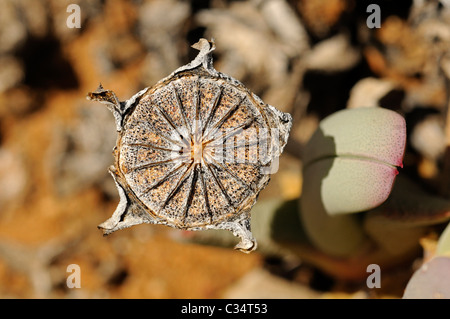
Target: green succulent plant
[432,279]
[350,164]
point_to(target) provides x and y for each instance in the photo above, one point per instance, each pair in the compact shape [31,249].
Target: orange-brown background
[55,146]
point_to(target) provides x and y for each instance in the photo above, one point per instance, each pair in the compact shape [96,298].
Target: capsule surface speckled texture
[193,151]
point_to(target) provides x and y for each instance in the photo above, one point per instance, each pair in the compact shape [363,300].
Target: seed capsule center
[197,151]
[197,143]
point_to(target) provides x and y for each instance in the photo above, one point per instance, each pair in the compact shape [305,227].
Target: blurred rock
[20,20]
[286,25]
[11,72]
[342,295]
[254,44]
[13,178]
[333,55]
[19,101]
[13,31]
[404,50]
[35,16]
[445,64]
[247,46]
[122,49]
[321,16]
[260,284]
[159,25]
[428,10]
[162,17]
[368,92]
[81,154]
[428,137]
[412,50]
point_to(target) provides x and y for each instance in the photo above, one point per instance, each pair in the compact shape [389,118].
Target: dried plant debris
[13,178]
[255,41]
[79,153]
[193,151]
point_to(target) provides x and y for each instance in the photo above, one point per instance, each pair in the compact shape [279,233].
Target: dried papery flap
[126,214]
[203,58]
[111,101]
[194,151]
[117,108]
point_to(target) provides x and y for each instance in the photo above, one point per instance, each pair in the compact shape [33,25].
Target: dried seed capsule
[193,151]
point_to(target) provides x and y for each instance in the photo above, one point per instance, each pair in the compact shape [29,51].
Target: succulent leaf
[431,281]
[350,165]
[362,148]
[443,246]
